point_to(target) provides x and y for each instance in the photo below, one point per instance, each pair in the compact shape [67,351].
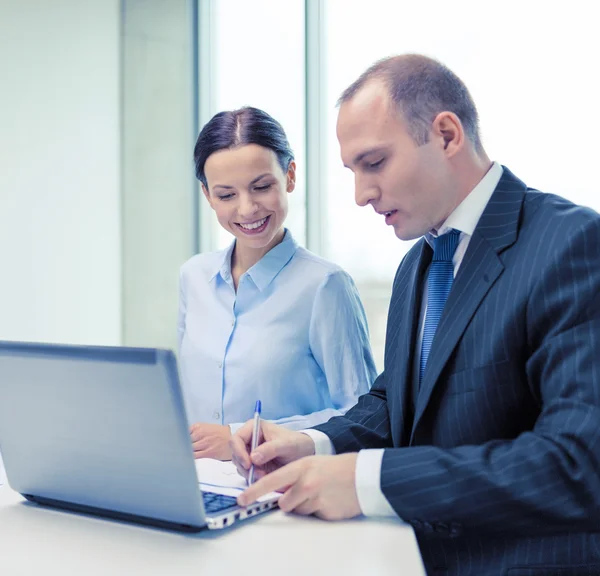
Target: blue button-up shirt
[293,336]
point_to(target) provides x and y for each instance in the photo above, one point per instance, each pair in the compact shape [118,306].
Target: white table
[36,540]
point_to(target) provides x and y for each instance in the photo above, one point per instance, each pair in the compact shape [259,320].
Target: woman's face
[248,191]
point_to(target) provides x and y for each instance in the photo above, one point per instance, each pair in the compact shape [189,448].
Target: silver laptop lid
[98,426]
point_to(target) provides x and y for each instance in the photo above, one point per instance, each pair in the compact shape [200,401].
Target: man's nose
[364,192]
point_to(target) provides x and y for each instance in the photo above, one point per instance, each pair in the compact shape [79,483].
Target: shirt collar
[467,214]
[265,270]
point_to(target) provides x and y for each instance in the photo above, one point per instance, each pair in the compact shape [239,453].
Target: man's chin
[407,235]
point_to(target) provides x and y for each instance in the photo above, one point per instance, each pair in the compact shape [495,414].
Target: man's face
[404,182]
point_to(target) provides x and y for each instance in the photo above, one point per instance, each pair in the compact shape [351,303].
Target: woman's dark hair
[237,128]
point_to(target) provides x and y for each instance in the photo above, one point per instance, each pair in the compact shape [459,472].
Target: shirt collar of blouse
[265,270]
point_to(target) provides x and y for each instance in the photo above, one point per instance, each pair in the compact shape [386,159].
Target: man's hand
[211,441]
[277,447]
[319,485]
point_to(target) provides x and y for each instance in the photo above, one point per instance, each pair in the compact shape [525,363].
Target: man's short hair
[421,88]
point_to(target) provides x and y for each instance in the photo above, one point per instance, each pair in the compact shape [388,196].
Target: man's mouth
[389,216]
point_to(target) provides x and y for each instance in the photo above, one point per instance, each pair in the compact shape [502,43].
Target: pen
[255,433]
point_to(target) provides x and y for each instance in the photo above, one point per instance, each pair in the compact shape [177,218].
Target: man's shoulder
[555,231]
[551,210]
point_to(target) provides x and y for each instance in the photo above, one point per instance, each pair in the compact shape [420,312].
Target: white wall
[60,265]
[158,186]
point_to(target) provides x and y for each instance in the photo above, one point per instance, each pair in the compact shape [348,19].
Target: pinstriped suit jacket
[497,467]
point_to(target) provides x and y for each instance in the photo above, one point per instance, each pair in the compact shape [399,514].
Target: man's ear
[291,177]
[448,129]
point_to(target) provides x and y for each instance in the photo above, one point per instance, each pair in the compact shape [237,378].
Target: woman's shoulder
[206,264]
[318,267]
[329,283]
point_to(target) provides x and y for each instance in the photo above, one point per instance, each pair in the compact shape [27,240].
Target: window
[259,61]
[530,69]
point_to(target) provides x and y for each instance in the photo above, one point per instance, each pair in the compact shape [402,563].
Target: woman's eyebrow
[255,180]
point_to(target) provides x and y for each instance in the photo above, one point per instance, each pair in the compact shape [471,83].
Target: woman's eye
[262,188]
[225,196]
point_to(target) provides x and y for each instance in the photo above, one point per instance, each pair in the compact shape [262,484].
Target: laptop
[103,430]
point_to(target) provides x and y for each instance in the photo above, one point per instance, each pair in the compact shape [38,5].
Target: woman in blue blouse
[265,318]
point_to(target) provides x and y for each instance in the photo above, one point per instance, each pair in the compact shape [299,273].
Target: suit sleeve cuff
[323,445]
[371,500]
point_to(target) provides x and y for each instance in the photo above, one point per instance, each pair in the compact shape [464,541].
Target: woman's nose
[247,207]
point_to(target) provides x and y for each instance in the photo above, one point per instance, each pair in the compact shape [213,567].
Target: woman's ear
[291,177]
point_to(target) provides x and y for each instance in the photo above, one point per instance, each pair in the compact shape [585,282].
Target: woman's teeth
[254,225]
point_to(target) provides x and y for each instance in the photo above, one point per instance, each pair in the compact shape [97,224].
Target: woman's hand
[211,441]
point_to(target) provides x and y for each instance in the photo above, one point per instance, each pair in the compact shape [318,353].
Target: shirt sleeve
[371,500]
[339,342]
[323,445]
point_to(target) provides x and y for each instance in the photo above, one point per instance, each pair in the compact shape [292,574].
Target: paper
[223,478]
[219,474]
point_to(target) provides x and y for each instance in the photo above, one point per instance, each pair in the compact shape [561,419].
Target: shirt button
[220,364]
[216,415]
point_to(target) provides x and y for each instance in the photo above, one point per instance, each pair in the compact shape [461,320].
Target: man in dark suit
[483,431]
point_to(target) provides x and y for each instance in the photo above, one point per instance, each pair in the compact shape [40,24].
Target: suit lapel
[401,337]
[497,230]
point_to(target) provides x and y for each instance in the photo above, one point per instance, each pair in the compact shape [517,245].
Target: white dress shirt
[368,465]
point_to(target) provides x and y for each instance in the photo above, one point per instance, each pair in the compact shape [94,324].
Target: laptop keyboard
[217,502]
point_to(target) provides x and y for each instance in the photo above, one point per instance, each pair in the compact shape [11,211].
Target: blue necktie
[440,278]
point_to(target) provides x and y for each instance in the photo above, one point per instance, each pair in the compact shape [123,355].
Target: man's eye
[376,164]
